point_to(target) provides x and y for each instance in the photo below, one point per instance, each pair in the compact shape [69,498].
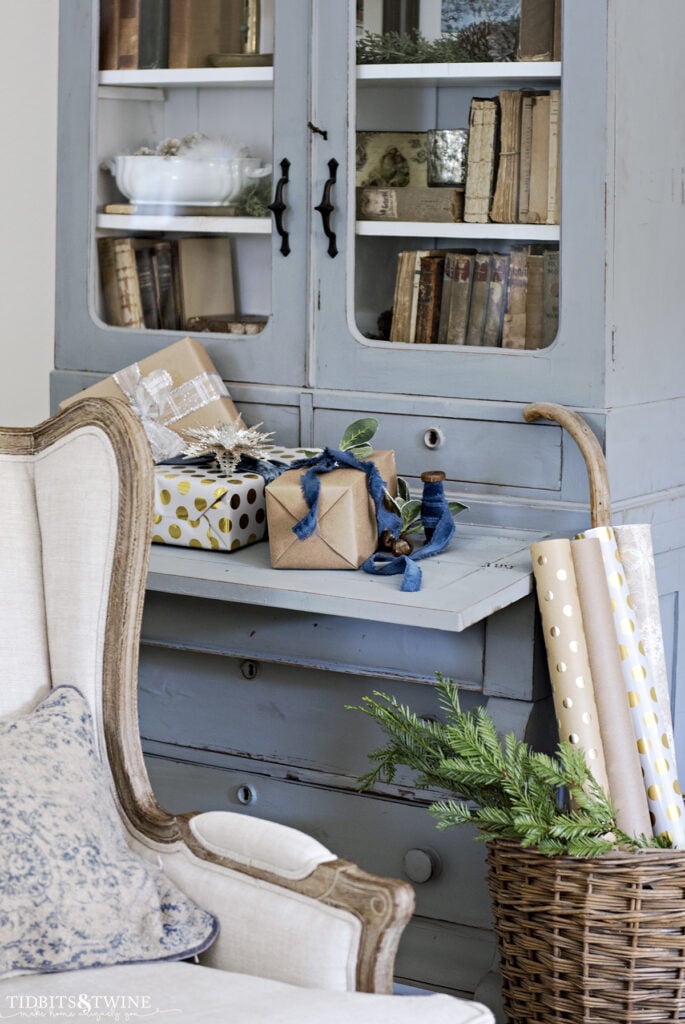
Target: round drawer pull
[433,438]
[246,795]
[249,668]
[421,865]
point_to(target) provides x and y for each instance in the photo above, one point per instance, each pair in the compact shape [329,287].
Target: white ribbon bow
[157,403]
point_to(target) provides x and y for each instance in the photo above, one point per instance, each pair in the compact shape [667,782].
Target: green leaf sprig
[357,436]
[504,788]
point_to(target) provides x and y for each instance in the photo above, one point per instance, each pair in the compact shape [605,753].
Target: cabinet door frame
[83,341]
[573,367]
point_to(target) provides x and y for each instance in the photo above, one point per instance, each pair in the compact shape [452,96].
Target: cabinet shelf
[193,225]
[189,77]
[433,229]
[493,73]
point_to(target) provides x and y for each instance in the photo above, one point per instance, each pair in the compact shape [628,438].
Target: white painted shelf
[490,73]
[189,77]
[205,225]
[438,229]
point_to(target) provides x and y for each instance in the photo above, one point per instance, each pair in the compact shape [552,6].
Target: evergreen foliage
[506,789]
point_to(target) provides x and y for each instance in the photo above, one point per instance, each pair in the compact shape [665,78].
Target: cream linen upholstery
[76,516]
[200,995]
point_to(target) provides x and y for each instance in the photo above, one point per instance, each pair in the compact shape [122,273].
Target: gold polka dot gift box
[200,507]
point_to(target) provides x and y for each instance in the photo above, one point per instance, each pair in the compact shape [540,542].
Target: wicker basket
[585,941]
[591,940]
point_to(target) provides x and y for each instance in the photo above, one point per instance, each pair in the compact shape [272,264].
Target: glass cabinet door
[190,150]
[447,200]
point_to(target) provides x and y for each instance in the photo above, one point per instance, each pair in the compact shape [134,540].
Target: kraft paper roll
[653,745]
[637,555]
[626,786]
[567,656]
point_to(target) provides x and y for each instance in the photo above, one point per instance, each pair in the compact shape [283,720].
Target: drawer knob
[421,865]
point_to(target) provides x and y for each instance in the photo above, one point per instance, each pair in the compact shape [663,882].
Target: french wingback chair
[304,937]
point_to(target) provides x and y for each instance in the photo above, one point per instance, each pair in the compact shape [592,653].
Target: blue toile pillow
[72,892]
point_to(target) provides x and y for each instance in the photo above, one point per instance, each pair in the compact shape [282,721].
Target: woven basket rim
[623,857]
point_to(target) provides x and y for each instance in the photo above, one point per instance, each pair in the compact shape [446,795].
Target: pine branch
[504,788]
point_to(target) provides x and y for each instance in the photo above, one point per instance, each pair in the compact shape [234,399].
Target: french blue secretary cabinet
[245,671]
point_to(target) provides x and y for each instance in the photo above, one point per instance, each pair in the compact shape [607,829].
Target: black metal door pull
[326,207]
[279,206]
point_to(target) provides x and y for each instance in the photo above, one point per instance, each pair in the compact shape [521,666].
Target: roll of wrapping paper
[656,756]
[626,786]
[637,556]
[567,656]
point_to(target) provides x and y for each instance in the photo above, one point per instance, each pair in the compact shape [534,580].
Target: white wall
[28,120]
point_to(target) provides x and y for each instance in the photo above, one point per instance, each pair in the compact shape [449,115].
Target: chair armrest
[289,909]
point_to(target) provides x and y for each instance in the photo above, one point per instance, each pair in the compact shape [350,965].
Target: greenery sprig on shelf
[481,41]
[506,789]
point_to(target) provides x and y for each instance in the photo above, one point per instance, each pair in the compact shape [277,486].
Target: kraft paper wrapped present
[172,390]
[201,507]
[346,532]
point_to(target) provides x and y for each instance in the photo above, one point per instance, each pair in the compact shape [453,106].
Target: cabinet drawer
[267,712]
[384,836]
[470,451]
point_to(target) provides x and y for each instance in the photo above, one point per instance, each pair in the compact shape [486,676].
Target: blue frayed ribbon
[326,462]
[383,563]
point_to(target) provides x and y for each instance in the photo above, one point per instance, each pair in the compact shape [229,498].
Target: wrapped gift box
[346,532]
[200,507]
[184,390]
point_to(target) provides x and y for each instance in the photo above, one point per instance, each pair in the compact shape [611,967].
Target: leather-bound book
[129,30]
[123,306]
[200,27]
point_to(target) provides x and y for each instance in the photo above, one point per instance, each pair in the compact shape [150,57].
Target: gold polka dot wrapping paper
[653,744]
[567,656]
[198,508]
[626,786]
[637,555]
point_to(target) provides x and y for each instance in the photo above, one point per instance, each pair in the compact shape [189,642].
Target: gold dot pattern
[659,773]
[198,508]
[567,657]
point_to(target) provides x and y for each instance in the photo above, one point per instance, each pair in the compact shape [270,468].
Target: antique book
[497,296]
[557,35]
[539,162]
[525,156]
[460,298]
[481,160]
[401,304]
[109,35]
[448,272]
[535,333]
[482,270]
[153,42]
[121,291]
[554,165]
[536,30]
[412,203]
[168,210]
[230,323]
[148,287]
[429,299]
[504,208]
[514,322]
[163,257]
[205,276]
[129,26]
[419,254]
[550,295]
[200,27]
